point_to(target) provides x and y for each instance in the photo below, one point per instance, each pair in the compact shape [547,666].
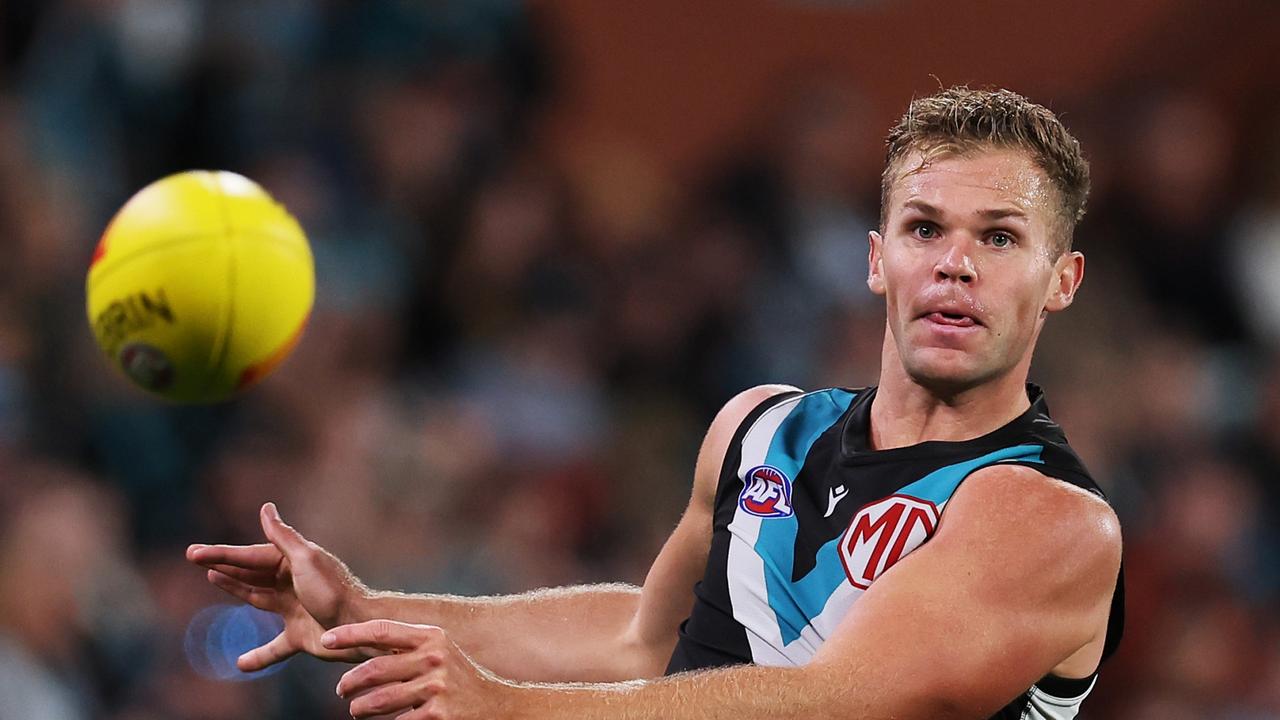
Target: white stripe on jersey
[1044,706]
[748,593]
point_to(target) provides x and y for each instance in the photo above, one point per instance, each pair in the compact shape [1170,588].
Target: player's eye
[925,231]
[1001,240]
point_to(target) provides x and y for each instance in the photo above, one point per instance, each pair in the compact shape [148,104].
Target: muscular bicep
[667,595]
[1016,580]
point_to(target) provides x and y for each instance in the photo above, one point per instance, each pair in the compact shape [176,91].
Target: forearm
[740,693]
[574,634]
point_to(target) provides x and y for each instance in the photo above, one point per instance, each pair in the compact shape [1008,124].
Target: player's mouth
[951,314]
[950,319]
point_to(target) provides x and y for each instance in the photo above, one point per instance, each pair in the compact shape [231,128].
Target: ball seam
[229,313]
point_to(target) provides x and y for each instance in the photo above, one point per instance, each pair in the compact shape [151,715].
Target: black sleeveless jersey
[807,516]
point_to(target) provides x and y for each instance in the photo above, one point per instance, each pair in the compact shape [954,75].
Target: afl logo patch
[766,492]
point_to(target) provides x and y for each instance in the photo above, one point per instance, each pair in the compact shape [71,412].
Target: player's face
[968,266]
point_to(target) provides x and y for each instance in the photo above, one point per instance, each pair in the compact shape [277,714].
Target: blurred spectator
[1181,169]
[811,201]
[1256,250]
[73,612]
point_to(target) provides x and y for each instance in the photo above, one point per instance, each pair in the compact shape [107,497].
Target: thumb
[267,655]
[281,535]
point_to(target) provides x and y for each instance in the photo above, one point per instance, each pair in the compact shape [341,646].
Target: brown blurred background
[551,239]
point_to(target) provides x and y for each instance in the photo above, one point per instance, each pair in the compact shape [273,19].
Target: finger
[280,534]
[256,578]
[378,671]
[267,655]
[263,556]
[261,598]
[422,712]
[380,634]
[384,700]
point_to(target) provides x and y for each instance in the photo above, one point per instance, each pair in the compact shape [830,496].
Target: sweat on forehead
[1011,172]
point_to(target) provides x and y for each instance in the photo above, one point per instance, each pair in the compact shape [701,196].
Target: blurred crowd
[512,357]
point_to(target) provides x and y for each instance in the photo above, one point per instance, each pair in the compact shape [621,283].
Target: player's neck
[907,413]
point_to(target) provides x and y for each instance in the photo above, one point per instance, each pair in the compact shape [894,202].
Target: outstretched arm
[1017,581]
[595,633]
[588,633]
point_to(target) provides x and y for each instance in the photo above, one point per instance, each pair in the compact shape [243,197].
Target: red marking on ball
[99,252]
[262,368]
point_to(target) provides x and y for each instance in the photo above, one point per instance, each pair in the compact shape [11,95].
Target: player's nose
[955,264]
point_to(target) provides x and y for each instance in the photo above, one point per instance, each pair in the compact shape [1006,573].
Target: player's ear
[875,262]
[1068,274]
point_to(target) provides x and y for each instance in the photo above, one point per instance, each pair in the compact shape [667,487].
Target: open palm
[293,577]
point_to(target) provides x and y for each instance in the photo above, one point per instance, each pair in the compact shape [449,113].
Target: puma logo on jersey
[882,533]
[766,492]
[834,496]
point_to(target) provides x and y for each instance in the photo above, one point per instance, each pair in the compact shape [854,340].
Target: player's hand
[291,576]
[424,675]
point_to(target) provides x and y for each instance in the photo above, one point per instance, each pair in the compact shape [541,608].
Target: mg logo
[881,533]
[766,492]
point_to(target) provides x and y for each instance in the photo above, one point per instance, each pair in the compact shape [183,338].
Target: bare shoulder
[1033,521]
[1033,497]
[716,443]
[736,410]
[739,406]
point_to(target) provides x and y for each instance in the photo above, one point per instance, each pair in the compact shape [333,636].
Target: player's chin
[946,370]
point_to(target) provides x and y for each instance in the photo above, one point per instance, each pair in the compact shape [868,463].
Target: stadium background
[551,239]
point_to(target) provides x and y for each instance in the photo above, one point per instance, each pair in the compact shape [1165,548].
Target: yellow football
[200,286]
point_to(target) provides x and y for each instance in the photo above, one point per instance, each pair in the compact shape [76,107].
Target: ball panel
[161,316]
[271,298]
[250,210]
[174,208]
